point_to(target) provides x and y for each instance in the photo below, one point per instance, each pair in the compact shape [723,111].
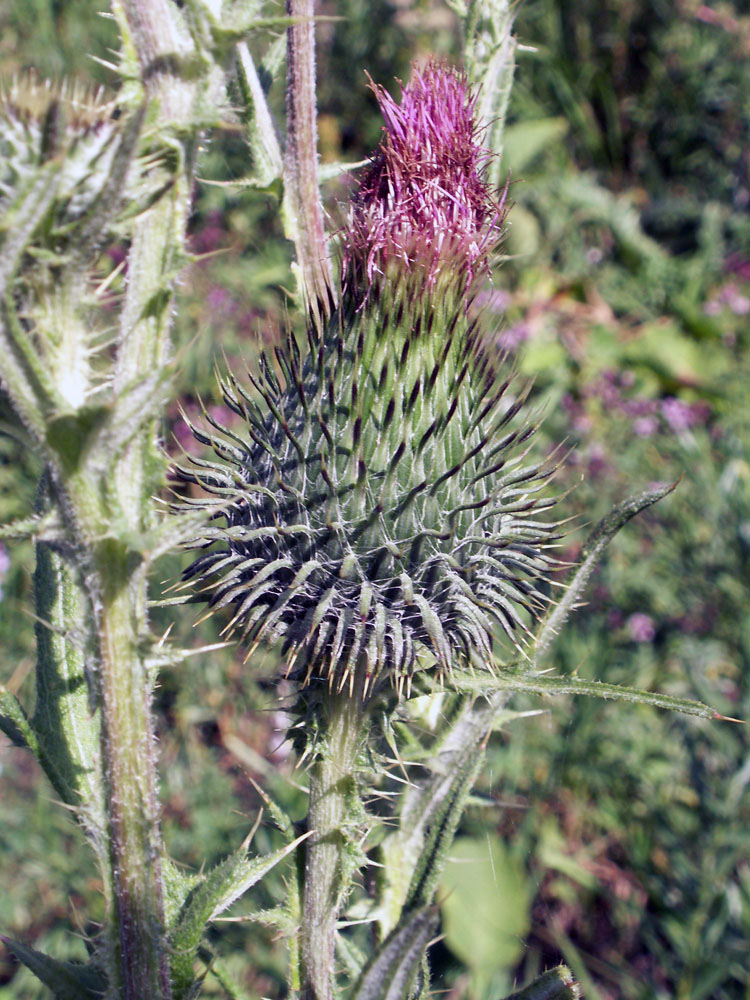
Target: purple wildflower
[737,302]
[423,201]
[739,265]
[514,336]
[645,426]
[219,300]
[211,236]
[4,566]
[682,416]
[597,460]
[495,300]
[641,627]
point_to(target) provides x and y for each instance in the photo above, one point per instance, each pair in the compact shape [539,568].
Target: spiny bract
[42,121]
[375,512]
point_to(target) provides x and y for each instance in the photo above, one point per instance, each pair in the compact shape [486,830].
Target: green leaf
[440,834]
[109,200]
[222,887]
[47,528]
[177,887]
[544,684]
[16,726]
[413,857]
[14,723]
[67,980]
[262,138]
[65,724]
[24,381]
[557,984]
[69,435]
[217,969]
[526,140]
[391,971]
[593,550]
[350,956]
[486,906]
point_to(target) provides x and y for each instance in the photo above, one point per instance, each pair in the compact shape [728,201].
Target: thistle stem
[333,792]
[302,205]
[130,775]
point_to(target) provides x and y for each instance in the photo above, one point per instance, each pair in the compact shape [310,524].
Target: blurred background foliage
[617,838]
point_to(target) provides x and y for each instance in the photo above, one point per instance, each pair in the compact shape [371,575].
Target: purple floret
[423,201]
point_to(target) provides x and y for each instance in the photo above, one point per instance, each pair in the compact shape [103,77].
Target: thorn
[717,715]
[292,661]
[164,638]
[251,651]
[249,838]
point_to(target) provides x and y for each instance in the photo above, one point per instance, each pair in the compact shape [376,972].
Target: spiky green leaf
[593,550]
[556,984]
[391,972]
[223,886]
[67,980]
[543,684]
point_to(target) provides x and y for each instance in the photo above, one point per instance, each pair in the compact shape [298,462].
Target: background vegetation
[620,836]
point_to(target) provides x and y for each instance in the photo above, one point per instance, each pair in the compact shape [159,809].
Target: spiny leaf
[46,528]
[16,726]
[437,845]
[109,199]
[137,404]
[14,723]
[21,218]
[414,857]
[392,970]
[544,684]
[70,434]
[67,980]
[263,141]
[177,887]
[351,957]
[223,886]
[557,984]
[593,549]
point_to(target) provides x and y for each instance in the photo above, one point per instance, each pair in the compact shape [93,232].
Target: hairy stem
[130,771]
[333,793]
[153,29]
[302,205]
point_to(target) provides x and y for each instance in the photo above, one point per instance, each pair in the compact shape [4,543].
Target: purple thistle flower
[422,201]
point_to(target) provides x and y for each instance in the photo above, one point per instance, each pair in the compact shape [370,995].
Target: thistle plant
[377,511]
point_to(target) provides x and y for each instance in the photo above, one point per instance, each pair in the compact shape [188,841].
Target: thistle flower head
[376,510]
[423,201]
